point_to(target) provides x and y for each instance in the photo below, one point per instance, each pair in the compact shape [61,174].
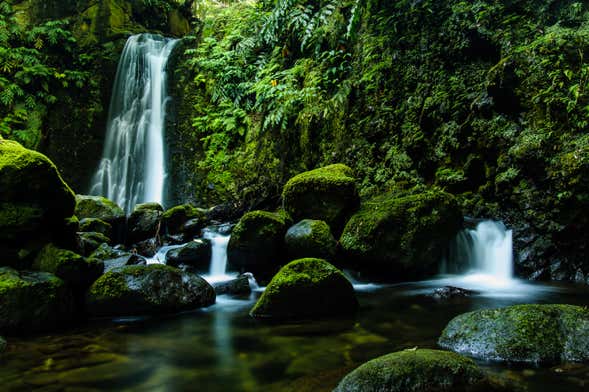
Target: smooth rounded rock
[521,333]
[306,288]
[310,238]
[196,253]
[417,370]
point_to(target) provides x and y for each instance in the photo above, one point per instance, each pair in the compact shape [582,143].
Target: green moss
[310,238]
[96,225]
[176,216]
[521,333]
[17,220]
[328,193]
[403,233]
[306,288]
[98,207]
[417,370]
[74,269]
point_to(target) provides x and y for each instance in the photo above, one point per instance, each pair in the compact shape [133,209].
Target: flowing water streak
[133,167]
[218,269]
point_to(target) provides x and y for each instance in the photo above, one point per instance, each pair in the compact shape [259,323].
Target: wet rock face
[33,301]
[196,254]
[239,286]
[521,333]
[306,288]
[417,370]
[451,292]
[310,238]
[151,289]
[144,222]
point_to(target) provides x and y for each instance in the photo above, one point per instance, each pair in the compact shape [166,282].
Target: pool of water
[222,349]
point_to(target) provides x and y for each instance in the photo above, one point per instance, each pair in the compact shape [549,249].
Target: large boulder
[175,218]
[35,204]
[399,236]
[77,271]
[151,289]
[310,238]
[307,288]
[328,193]
[144,222]
[32,301]
[94,225]
[256,243]
[417,370]
[99,207]
[196,253]
[521,333]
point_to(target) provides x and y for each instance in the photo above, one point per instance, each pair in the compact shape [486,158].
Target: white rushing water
[218,269]
[133,166]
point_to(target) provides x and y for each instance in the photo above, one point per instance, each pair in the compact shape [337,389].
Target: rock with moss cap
[306,288]
[94,225]
[328,193]
[77,271]
[522,333]
[417,370]
[310,238]
[144,222]
[151,289]
[35,203]
[256,243]
[175,218]
[401,235]
[32,301]
[99,207]
[90,242]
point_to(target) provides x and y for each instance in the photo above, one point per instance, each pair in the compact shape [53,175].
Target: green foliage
[35,63]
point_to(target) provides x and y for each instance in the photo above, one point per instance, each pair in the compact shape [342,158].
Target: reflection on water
[222,349]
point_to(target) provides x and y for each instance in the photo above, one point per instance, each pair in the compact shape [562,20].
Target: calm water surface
[222,349]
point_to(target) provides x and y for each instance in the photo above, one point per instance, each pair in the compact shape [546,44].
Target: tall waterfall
[133,166]
[484,253]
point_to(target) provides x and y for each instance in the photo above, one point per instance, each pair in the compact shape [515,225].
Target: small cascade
[484,254]
[133,167]
[218,269]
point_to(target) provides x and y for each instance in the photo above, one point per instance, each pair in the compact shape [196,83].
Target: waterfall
[133,167]
[485,253]
[218,268]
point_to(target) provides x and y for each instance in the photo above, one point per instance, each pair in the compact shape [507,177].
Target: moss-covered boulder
[32,301]
[306,288]
[77,271]
[521,333]
[417,370]
[196,253]
[144,222]
[106,252]
[402,235]
[35,203]
[310,238]
[99,207]
[328,193]
[151,289]
[90,242]
[175,218]
[94,225]
[256,243]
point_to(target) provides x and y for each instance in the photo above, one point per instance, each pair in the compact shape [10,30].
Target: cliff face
[485,99]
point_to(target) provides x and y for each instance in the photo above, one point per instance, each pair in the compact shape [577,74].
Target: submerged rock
[310,238]
[521,333]
[328,194]
[417,370]
[32,301]
[306,288]
[144,222]
[196,254]
[256,243]
[79,272]
[450,292]
[36,205]
[398,236]
[151,289]
[239,286]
